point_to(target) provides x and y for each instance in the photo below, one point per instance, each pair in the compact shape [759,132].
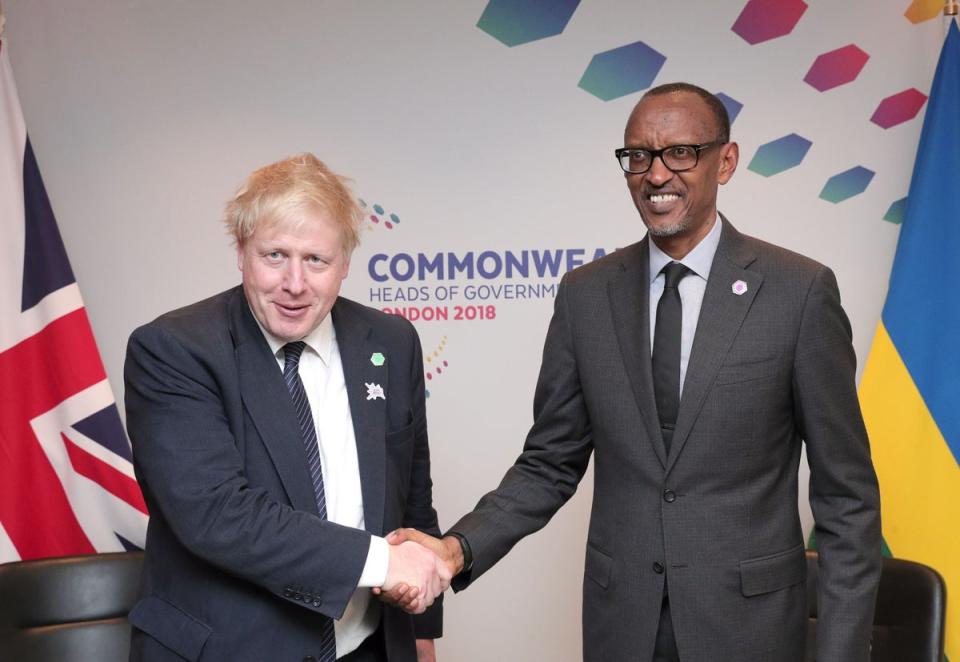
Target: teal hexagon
[622,71]
[516,22]
[847,184]
[778,155]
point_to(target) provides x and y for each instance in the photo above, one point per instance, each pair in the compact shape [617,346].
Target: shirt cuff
[378,560]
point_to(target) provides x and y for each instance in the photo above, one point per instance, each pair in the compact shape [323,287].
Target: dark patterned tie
[666,351]
[291,375]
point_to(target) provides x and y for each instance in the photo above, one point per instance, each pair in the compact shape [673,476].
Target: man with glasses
[693,365]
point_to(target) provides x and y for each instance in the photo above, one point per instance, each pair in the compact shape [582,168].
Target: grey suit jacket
[716,521]
[238,564]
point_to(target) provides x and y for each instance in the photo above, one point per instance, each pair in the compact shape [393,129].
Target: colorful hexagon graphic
[923,10]
[732,105]
[899,108]
[836,68]
[897,210]
[781,154]
[763,20]
[377,214]
[622,71]
[516,22]
[846,184]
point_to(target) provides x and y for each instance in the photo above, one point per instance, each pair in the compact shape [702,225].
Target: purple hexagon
[836,68]
[899,108]
[763,20]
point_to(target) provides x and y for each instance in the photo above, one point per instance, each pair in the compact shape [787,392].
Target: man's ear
[729,158]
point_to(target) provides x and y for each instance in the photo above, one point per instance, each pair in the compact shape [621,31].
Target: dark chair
[69,608]
[909,622]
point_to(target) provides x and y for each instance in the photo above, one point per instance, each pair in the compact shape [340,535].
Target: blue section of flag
[922,313]
[127,545]
[45,264]
[105,428]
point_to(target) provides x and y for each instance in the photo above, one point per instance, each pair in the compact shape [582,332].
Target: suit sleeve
[188,462]
[419,512]
[554,458]
[844,495]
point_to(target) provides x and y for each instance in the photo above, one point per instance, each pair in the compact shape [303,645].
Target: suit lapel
[268,402]
[357,346]
[630,303]
[721,315]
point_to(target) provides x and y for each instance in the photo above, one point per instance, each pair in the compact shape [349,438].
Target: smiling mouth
[290,309]
[662,198]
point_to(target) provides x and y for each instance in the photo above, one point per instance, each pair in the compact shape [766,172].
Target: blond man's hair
[281,192]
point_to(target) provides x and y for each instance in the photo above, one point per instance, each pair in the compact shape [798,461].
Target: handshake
[420,569]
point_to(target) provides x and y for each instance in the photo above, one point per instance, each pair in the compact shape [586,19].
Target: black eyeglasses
[677,158]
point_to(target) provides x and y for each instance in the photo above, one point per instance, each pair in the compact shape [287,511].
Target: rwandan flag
[910,390]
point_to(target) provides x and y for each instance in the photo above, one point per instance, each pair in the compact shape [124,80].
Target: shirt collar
[320,340]
[699,260]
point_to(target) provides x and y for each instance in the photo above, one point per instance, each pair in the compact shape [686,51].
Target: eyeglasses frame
[658,153]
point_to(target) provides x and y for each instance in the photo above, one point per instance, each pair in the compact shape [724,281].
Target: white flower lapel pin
[374,391]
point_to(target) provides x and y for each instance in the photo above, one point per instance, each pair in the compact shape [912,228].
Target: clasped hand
[420,569]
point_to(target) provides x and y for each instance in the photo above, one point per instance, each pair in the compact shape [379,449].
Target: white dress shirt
[691,289]
[321,372]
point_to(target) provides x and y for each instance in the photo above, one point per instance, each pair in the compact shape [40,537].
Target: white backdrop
[146,115]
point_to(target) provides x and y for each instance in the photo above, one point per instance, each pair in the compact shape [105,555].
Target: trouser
[665,648]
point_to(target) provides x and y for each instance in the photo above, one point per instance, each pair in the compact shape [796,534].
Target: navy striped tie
[291,375]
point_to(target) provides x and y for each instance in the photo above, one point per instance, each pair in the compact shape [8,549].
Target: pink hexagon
[762,20]
[836,68]
[899,108]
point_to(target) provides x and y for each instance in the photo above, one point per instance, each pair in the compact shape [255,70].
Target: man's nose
[659,173]
[293,280]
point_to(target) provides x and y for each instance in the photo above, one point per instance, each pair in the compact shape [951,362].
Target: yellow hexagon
[923,10]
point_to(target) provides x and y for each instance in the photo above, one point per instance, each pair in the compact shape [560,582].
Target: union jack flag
[66,474]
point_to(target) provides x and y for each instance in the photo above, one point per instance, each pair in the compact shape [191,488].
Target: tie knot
[292,352]
[674,273]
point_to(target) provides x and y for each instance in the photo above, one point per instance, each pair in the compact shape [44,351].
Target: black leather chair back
[910,618]
[69,608]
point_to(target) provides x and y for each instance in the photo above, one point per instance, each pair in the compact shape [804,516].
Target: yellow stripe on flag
[919,477]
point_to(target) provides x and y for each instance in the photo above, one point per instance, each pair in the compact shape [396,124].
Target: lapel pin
[374,391]
[377,359]
[739,288]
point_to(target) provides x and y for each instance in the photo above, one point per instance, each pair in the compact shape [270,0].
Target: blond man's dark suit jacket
[717,518]
[238,564]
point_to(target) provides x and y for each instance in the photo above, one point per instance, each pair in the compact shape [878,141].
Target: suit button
[288,592]
[658,567]
[669,496]
[309,658]
[298,595]
[316,603]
